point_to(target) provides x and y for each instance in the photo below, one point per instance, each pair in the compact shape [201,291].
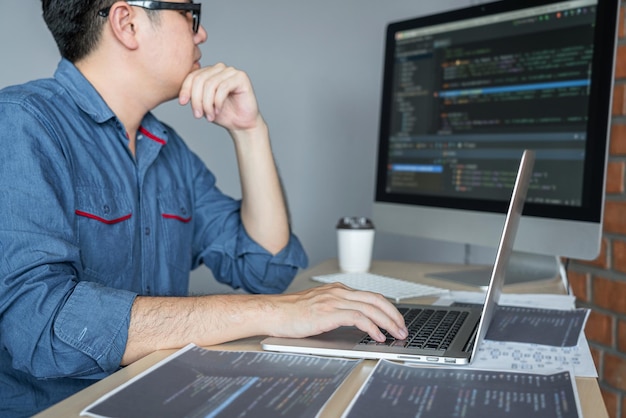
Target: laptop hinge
[470,344]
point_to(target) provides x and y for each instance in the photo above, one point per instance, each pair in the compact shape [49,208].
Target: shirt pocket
[105,233]
[177,220]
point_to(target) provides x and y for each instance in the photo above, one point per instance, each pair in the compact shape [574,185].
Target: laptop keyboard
[430,329]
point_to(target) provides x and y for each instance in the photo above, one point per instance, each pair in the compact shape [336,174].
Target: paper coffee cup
[355,242]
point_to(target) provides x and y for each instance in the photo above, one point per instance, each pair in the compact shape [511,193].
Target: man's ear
[122,19]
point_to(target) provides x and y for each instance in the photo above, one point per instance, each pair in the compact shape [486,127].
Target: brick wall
[601,284]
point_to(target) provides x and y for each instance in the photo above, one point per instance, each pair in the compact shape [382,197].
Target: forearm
[158,323]
[172,322]
[225,96]
[263,210]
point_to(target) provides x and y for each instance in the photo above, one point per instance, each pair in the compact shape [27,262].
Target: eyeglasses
[194,8]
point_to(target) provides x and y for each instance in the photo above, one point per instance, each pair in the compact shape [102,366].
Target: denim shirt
[85,227]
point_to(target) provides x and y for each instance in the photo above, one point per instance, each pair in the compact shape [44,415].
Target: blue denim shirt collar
[83,92]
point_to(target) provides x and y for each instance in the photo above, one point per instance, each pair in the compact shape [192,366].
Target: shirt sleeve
[223,245]
[52,323]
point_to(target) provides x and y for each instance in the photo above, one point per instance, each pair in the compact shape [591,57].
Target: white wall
[316,67]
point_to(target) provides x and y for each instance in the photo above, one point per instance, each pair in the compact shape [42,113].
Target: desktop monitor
[466,91]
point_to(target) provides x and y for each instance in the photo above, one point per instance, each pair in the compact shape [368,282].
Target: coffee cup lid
[355,222]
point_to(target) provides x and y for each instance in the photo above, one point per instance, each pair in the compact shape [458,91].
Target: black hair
[75,25]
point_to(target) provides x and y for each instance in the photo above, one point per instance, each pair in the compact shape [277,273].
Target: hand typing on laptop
[327,307]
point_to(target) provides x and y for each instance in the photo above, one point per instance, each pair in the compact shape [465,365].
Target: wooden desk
[590,397]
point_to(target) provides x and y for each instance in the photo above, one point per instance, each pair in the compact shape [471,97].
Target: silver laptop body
[460,347]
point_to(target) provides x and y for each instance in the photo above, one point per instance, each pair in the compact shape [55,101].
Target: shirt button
[147,230]
[183,211]
[106,209]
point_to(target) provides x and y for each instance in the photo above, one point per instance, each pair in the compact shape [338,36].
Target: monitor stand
[523,267]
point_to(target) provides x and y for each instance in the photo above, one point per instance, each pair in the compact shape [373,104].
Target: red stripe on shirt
[106,221]
[178,218]
[152,136]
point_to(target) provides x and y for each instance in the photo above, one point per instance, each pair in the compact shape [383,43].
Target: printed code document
[194,382]
[398,390]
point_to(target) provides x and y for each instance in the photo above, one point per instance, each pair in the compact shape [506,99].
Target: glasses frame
[194,8]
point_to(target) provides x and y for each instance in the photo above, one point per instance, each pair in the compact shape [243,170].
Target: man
[105,210]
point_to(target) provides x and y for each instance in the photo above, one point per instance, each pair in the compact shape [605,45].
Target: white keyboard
[389,287]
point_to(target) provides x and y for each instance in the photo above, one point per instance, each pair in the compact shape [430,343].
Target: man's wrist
[259,130]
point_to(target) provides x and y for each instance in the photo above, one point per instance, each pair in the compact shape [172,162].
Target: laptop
[437,334]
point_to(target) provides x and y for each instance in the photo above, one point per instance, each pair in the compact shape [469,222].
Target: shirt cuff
[292,255]
[241,262]
[263,272]
[95,321]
